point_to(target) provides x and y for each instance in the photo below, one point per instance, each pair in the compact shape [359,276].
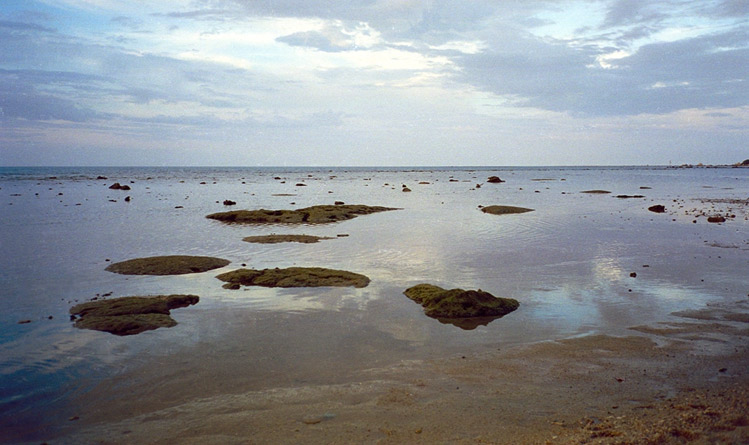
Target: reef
[458,303]
[504,210]
[319,214]
[293,277]
[129,315]
[167,265]
[275,239]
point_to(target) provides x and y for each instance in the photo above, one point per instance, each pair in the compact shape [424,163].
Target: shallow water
[568,263]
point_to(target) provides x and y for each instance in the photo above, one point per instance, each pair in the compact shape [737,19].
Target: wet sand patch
[129,315]
[293,277]
[167,265]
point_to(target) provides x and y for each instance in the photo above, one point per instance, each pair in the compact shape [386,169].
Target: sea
[579,264]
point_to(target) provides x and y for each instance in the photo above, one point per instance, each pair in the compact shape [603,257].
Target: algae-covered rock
[130,315]
[274,239]
[504,210]
[167,265]
[293,277]
[309,215]
[459,303]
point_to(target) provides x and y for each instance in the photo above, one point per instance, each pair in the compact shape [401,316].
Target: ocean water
[568,263]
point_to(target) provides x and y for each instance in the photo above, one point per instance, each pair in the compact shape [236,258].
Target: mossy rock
[275,239]
[459,303]
[504,210]
[167,265]
[293,277]
[320,214]
[130,315]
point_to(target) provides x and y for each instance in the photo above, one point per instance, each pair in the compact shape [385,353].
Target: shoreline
[682,382]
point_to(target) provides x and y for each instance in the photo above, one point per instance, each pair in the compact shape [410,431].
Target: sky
[373,82]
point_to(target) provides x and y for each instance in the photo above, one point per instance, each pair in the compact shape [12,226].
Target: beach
[631,325]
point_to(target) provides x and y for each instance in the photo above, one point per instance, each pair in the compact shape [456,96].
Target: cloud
[700,72]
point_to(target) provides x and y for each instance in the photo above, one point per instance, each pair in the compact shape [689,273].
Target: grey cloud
[20,100]
[22,26]
[659,78]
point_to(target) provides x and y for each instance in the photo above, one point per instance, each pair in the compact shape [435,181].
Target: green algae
[504,210]
[293,277]
[319,214]
[458,303]
[130,315]
[275,239]
[167,265]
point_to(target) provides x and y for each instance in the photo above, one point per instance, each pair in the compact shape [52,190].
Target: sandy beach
[685,383]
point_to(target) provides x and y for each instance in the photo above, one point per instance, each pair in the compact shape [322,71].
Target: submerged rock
[459,303]
[294,277]
[319,214]
[130,315]
[504,210]
[274,239]
[658,208]
[494,179]
[167,265]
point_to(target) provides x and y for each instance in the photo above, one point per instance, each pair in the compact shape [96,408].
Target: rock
[299,184]
[406,189]
[504,210]
[458,303]
[596,192]
[229,202]
[716,219]
[494,180]
[167,265]
[127,198]
[339,203]
[129,315]
[657,208]
[101,177]
[295,277]
[320,214]
[633,275]
[275,239]
[629,196]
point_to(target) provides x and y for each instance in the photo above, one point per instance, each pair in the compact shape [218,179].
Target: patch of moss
[130,315]
[320,214]
[275,239]
[504,210]
[167,265]
[459,303]
[293,277]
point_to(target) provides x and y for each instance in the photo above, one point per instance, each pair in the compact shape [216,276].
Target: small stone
[633,274]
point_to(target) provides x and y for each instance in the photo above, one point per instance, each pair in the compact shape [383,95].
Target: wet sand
[665,383]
